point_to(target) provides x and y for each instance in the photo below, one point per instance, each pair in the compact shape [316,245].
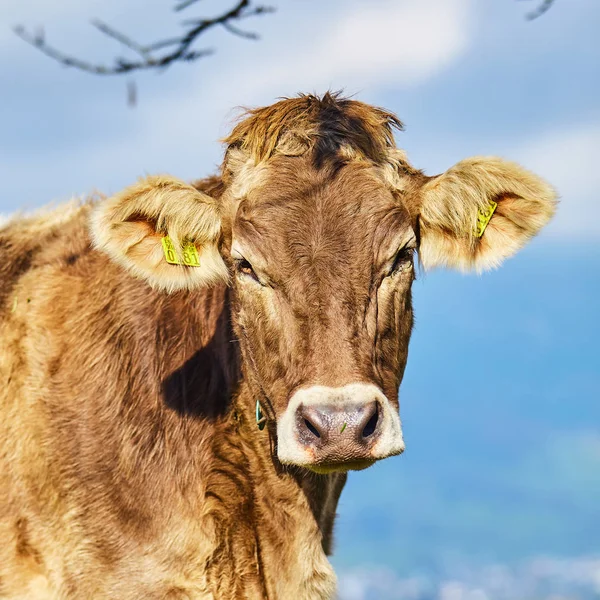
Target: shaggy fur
[130,461]
[294,125]
[129,227]
[449,207]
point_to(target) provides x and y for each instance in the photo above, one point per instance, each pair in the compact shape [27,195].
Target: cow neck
[225,397]
[277,503]
[313,496]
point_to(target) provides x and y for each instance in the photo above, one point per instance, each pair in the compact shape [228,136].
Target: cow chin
[354,465]
[332,429]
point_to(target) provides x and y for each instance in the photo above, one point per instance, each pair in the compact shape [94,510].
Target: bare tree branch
[540,10]
[248,35]
[183,5]
[177,49]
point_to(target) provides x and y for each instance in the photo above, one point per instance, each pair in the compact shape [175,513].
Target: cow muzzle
[330,429]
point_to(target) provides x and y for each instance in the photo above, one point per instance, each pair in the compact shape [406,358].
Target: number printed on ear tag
[189,251]
[483,218]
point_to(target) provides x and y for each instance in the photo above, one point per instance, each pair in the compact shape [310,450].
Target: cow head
[317,229]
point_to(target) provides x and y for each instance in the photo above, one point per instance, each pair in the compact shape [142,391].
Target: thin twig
[183,5]
[56,55]
[248,35]
[131,94]
[120,37]
[540,10]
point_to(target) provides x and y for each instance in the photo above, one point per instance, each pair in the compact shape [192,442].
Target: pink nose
[335,432]
[329,428]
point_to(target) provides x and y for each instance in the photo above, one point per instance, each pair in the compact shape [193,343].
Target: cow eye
[245,268]
[402,261]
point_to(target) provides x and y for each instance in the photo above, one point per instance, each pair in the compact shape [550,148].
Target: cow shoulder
[30,241]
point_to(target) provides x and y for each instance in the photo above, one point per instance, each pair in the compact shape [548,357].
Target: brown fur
[322,124]
[130,462]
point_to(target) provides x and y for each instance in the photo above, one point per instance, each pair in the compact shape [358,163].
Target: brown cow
[134,461]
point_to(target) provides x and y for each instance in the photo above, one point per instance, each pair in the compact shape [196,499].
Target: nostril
[371,423]
[311,428]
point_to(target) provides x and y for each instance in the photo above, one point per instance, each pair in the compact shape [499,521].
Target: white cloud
[379,583]
[569,160]
[454,590]
[383,43]
[541,578]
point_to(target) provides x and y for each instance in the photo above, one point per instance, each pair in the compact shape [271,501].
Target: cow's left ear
[164,231]
[480,212]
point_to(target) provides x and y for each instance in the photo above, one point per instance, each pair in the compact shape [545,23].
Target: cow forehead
[338,208]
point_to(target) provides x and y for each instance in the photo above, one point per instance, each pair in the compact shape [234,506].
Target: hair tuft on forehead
[324,124]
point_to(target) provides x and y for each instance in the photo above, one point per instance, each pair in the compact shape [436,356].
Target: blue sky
[497,495]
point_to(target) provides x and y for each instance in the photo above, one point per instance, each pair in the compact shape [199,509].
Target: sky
[497,496]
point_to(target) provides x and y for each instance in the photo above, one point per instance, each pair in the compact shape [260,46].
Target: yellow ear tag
[189,250]
[483,218]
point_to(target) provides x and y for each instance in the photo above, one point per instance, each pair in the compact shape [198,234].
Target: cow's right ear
[157,222]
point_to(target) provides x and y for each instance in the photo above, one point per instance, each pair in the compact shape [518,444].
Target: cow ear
[480,212]
[160,221]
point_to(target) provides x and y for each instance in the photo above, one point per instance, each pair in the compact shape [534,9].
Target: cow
[189,371]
